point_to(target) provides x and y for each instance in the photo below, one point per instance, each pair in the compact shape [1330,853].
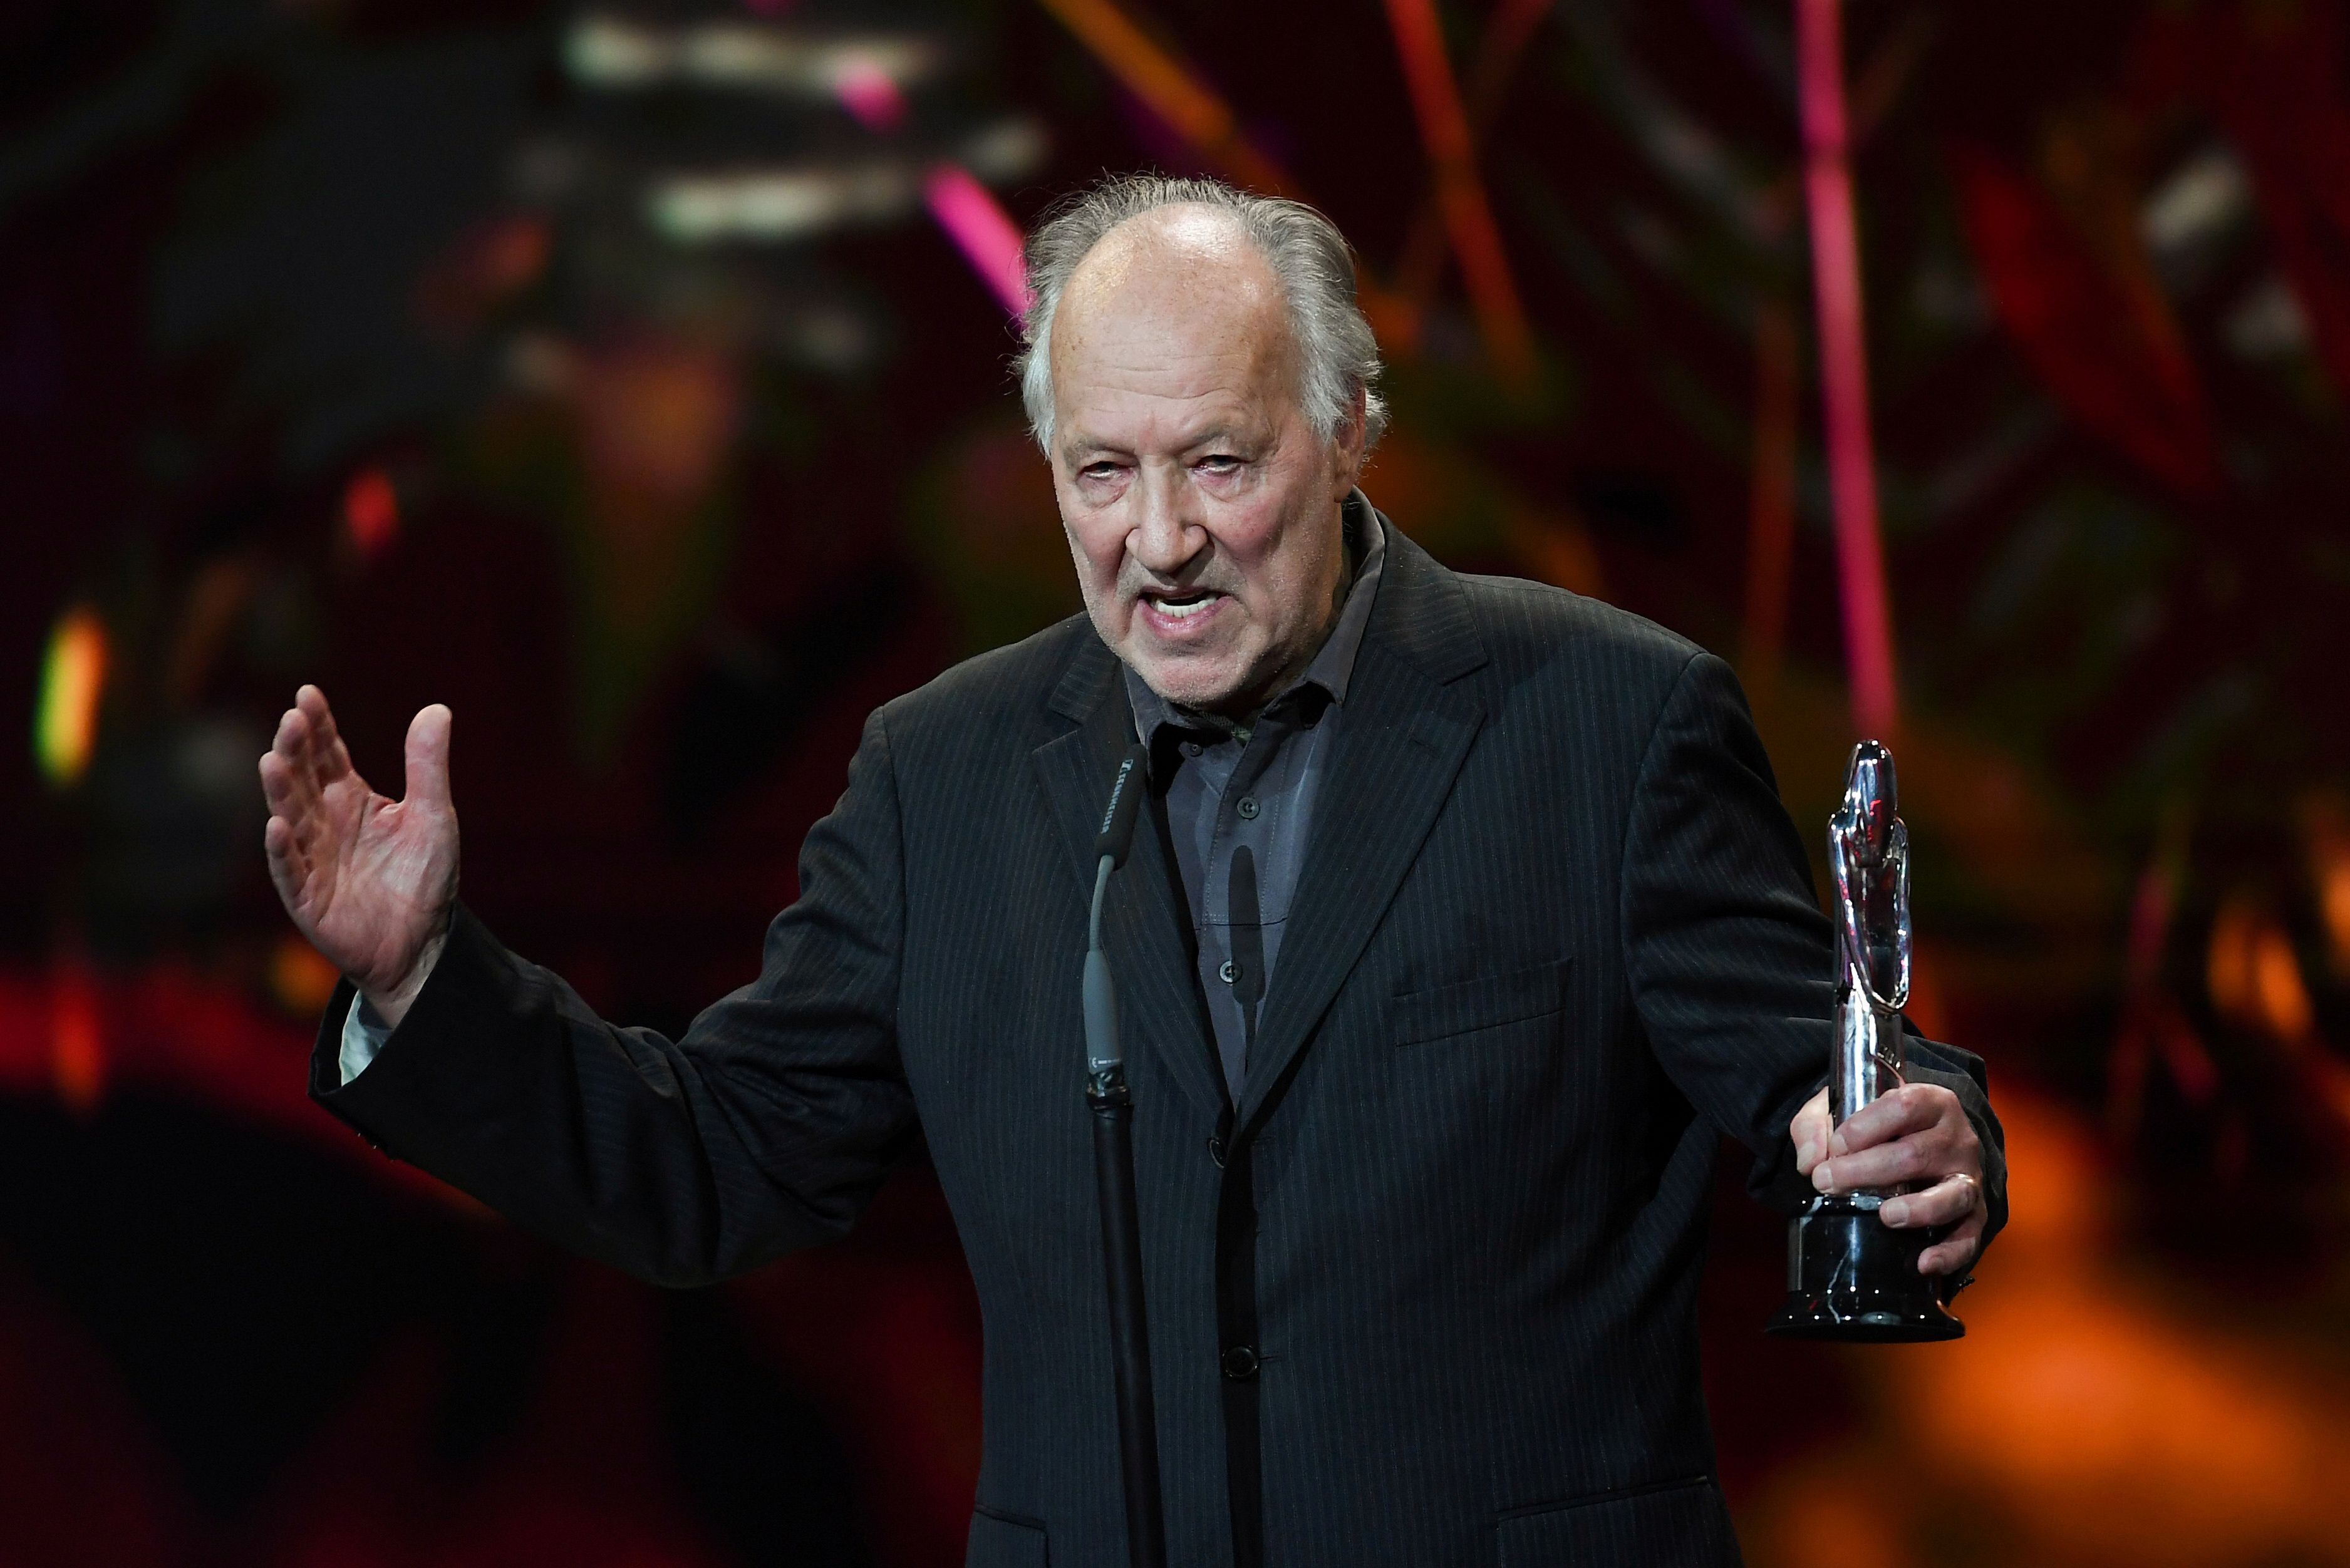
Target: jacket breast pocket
[1676,1524]
[1000,1540]
[1489,1002]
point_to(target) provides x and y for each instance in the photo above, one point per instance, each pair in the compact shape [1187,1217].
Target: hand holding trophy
[1850,1276]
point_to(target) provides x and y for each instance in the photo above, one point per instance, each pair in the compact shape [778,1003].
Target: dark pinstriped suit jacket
[1554,933]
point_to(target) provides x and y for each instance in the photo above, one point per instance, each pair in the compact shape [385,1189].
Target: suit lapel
[1145,920]
[1402,737]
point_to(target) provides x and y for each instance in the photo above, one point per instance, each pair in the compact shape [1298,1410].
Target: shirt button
[1191,748]
[1229,973]
[1247,807]
[1240,1362]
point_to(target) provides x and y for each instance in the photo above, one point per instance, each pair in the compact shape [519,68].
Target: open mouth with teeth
[1178,612]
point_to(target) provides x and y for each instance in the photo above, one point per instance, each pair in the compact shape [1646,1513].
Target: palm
[377,870]
[368,879]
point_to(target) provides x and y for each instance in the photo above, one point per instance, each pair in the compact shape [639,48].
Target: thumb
[1810,1131]
[428,757]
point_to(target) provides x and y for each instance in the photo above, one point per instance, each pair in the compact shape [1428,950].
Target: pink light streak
[963,207]
[869,93]
[985,233]
[1844,367]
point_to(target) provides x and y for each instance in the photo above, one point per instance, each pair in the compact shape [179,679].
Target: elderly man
[1464,921]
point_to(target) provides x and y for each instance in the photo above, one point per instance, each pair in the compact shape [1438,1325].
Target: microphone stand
[1113,1112]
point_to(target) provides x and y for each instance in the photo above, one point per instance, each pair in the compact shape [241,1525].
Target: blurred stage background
[632,377]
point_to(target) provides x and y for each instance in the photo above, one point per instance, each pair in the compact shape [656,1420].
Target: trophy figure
[1851,1276]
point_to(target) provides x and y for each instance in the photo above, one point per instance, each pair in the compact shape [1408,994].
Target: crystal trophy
[1850,1276]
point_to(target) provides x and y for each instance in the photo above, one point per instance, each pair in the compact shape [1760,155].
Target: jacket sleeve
[766,1127]
[1728,953]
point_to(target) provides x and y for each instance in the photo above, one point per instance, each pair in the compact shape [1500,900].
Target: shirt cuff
[363,1036]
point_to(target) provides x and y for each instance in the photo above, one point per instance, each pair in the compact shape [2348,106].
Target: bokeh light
[73,680]
[371,510]
[634,376]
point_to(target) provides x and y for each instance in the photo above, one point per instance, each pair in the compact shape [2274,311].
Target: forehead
[1178,304]
[1191,241]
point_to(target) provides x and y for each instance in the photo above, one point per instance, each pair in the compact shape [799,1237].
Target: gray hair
[1338,358]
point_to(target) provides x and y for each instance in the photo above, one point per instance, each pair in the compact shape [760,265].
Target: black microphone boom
[1116,836]
[1113,1111]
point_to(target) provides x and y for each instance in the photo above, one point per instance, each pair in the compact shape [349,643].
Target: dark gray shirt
[1240,802]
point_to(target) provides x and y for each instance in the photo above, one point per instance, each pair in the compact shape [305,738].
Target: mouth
[1180,613]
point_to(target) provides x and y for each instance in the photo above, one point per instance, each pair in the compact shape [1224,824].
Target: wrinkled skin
[1201,503]
[368,879]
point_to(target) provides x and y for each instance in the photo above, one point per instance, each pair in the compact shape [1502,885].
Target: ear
[1346,453]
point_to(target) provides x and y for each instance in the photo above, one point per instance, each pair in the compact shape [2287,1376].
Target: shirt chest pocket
[1471,1006]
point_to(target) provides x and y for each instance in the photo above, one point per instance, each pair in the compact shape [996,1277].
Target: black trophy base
[1852,1277]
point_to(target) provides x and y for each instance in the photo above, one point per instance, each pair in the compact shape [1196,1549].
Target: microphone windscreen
[1124,799]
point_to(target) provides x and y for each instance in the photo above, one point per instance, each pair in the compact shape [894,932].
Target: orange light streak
[73,677]
[1202,118]
[1476,241]
[2326,827]
[1170,92]
[2334,900]
[2254,981]
[1507,32]
[2251,975]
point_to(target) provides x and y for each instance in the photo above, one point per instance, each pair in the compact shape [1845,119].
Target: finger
[1956,1252]
[1946,1202]
[277,783]
[286,791]
[1891,1116]
[1809,1132]
[291,748]
[1910,1158]
[333,758]
[292,741]
[298,742]
[428,756]
[1912,1108]
[288,866]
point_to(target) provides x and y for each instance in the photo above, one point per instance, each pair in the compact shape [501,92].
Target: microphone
[1105,1058]
[1113,1117]
[1116,836]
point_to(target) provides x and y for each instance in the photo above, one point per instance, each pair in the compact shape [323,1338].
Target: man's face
[1202,507]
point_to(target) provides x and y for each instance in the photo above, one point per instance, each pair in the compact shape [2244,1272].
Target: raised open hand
[368,879]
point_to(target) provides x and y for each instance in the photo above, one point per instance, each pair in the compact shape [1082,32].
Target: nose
[1166,535]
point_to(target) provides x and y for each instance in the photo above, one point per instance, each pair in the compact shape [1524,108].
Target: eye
[1220,463]
[1102,469]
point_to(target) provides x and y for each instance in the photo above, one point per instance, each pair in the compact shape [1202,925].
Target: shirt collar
[1332,667]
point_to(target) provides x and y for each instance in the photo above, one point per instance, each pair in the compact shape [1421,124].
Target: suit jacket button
[1240,1362]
